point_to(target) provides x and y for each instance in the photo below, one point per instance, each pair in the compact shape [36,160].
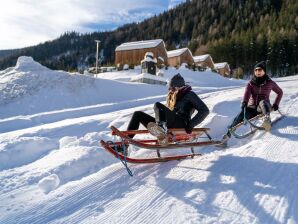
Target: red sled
[177,138]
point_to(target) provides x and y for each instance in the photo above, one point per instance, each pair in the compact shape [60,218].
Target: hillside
[7,53]
[240,32]
[53,170]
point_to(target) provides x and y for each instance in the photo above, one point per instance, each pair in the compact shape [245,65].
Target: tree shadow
[253,179]
[292,122]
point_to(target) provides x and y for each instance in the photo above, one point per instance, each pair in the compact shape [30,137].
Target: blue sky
[29,22]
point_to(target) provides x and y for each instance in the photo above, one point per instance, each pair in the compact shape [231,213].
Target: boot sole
[158,132]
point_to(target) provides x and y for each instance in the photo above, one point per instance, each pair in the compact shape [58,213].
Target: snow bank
[75,158]
[25,63]
[33,88]
[202,79]
[24,150]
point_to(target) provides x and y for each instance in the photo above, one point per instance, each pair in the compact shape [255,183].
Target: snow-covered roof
[148,59]
[220,65]
[150,54]
[139,45]
[201,58]
[177,52]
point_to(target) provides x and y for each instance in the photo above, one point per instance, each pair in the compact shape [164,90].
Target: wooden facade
[180,56]
[132,53]
[223,69]
[204,61]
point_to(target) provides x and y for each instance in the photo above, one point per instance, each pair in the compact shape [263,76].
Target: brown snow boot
[266,122]
[159,132]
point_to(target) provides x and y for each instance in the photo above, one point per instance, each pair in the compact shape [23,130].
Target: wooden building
[180,56]
[223,69]
[204,61]
[132,53]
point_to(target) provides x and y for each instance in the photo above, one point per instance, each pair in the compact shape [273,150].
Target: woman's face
[173,89]
[259,72]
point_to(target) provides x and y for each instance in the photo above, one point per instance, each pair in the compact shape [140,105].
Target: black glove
[275,107]
[188,128]
[243,105]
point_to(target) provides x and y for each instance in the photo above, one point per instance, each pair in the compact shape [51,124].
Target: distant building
[223,68]
[179,56]
[132,53]
[204,61]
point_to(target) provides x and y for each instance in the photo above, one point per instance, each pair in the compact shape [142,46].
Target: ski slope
[53,170]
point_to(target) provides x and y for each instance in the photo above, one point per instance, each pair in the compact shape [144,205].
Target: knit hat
[177,81]
[261,65]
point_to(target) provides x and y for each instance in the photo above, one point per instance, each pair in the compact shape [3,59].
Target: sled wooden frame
[179,134]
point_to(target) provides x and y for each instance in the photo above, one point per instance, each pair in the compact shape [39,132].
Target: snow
[149,57]
[200,58]
[139,45]
[49,183]
[175,53]
[148,76]
[220,65]
[53,170]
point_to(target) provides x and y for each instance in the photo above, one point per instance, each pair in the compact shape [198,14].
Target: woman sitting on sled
[256,98]
[181,104]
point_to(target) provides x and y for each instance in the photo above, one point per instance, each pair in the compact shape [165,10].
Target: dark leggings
[139,117]
[264,107]
[162,114]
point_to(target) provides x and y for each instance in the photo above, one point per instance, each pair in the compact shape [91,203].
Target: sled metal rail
[253,127]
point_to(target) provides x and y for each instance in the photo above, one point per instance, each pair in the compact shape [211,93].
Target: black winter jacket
[186,106]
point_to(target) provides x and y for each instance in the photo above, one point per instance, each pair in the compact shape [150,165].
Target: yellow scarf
[171,99]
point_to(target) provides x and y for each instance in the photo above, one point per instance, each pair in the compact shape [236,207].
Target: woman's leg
[250,113]
[160,111]
[138,118]
[264,107]
[164,114]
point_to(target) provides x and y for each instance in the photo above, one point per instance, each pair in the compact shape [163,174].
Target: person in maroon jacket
[256,98]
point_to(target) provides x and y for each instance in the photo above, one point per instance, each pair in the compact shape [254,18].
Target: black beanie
[177,81]
[261,65]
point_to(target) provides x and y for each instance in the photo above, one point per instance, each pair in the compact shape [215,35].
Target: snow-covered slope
[52,169]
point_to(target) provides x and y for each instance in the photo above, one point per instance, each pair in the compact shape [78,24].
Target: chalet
[179,56]
[223,69]
[204,61]
[132,53]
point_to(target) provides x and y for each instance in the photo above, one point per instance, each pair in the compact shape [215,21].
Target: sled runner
[176,138]
[252,125]
[109,146]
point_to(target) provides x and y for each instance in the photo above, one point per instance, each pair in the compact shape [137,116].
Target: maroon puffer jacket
[254,94]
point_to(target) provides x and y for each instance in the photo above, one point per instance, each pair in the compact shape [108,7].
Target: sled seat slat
[173,130]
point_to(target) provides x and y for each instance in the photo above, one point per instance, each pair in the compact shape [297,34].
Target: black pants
[162,114]
[172,119]
[264,107]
